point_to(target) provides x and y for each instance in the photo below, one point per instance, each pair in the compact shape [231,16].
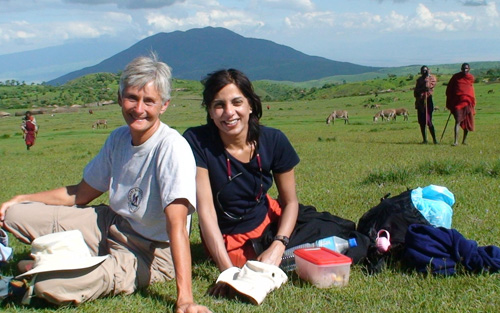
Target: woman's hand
[273,254]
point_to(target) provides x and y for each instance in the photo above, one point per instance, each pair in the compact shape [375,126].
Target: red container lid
[322,256]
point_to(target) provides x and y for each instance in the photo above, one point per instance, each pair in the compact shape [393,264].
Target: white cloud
[398,21]
[232,19]
[310,19]
[340,22]
[129,4]
[24,35]
[301,5]
[422,19]
[318,27]
[491,10]
[38,34]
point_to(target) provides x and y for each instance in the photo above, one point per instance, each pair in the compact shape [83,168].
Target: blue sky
[367,32]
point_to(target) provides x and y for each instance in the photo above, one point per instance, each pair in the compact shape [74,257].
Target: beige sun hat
[255,280]
[60,252]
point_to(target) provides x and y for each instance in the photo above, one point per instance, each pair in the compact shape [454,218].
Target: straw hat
[60,252]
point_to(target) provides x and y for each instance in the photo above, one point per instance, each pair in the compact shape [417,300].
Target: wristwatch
[284,239]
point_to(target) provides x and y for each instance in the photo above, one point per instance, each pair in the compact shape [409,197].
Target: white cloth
[254,280]
[143,180]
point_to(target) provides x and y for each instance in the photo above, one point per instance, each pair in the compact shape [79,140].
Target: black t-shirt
[237,196]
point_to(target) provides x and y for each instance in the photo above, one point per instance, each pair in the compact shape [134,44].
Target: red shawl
[460,92]
[30,133]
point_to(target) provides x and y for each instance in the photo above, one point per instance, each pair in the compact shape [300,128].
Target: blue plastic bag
[434,203]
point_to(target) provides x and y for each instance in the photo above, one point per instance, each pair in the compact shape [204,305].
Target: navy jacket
[438,250]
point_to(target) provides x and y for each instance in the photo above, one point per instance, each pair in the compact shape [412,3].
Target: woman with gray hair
[148,170]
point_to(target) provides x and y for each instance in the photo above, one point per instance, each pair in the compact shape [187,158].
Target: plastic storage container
[323,267]
[333,243]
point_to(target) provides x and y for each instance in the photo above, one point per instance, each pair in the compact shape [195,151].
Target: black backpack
[395,215]
[313,225]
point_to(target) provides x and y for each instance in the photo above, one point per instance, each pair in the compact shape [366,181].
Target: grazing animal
[436,109]
[491,91]
[338,114]
[385,114]
[91,112]
[403,112]
[99,123]
[375,106]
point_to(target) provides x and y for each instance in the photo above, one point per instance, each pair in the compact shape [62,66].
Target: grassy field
[344,169]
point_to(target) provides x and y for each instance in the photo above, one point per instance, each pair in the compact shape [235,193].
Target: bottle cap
[352,242]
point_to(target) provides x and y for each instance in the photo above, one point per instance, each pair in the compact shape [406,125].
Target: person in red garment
[461,101]
[424,104]
[30,129]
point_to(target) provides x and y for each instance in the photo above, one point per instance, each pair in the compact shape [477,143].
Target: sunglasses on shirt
[230,178]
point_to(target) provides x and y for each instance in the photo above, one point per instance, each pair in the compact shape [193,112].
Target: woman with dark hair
[237,159]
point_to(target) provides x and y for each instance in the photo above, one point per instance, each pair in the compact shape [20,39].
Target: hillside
[92,89]
[194,53]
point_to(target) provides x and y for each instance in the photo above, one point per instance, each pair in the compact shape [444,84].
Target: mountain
[195,53]
[48,63]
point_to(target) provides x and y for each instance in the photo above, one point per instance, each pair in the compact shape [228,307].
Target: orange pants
[236,244]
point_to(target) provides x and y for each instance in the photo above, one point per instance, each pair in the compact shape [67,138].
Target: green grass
[344,169]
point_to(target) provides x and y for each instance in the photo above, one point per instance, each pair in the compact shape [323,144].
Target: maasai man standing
[461,101]
[424,104]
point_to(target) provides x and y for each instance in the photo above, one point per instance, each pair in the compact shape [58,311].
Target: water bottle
[333,243]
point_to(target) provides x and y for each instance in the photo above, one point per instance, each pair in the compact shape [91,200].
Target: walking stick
[425,99]
[426,112]
[445,127]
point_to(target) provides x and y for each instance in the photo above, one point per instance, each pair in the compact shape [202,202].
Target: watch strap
[284,239]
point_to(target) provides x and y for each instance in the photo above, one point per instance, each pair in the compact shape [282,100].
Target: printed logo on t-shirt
[134,199]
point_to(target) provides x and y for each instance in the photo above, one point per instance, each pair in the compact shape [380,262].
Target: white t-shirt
[143,180]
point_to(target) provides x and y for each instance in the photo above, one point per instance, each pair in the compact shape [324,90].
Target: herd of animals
[387,115]
[384,115]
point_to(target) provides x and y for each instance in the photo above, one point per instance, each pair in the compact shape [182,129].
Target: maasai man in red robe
[424,104]
[30,129]
[461,101]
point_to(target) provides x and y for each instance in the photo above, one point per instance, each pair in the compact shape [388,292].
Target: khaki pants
[134,261]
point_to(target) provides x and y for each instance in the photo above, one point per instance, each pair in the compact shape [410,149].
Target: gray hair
[143,70]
